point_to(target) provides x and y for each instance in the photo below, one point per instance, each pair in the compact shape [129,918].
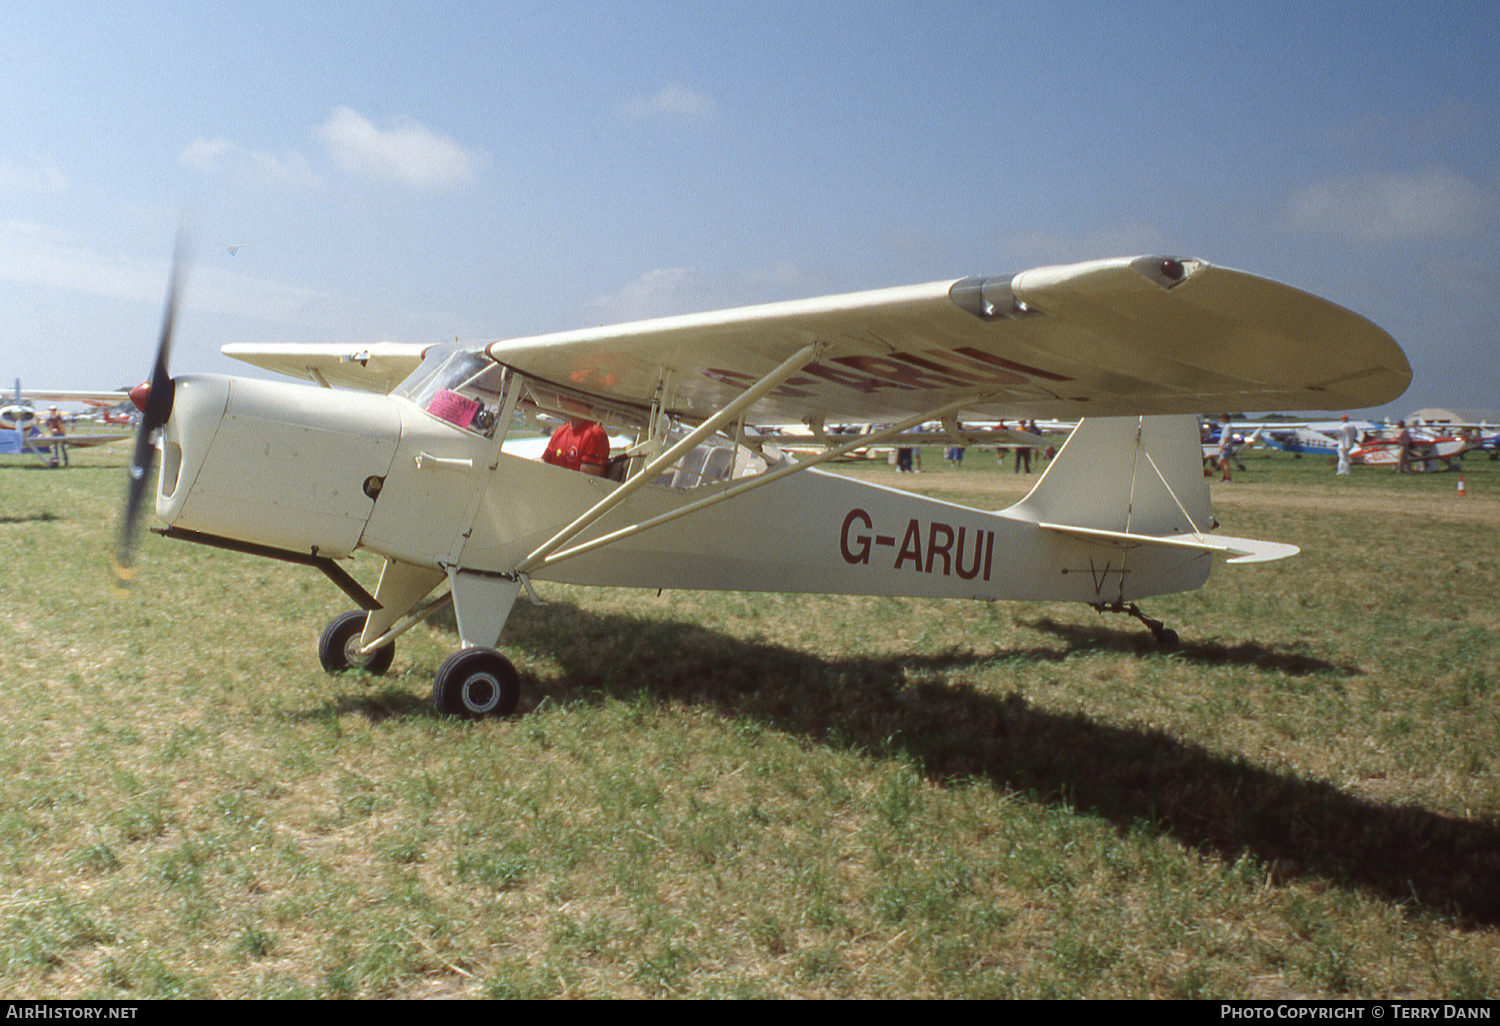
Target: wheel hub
[476,683]
[481,693]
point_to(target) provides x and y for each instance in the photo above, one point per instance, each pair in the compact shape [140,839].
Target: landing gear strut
[1165,636]
[473,683]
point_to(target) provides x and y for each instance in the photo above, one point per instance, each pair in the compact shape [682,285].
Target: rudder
[1138,475]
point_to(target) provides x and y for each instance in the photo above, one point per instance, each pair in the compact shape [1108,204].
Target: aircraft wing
[378,367]
[1142,335]
[92,398]
[72,441]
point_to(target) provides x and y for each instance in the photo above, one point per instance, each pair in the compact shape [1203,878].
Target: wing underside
[1144,335]
[1127,336]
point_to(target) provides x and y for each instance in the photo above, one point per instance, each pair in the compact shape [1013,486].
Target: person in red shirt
[579,445]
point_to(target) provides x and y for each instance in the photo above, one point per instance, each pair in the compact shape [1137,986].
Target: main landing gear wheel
[338,648]
[475,683]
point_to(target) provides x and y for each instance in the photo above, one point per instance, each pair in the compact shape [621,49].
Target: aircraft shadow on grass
[1093,637]
[45,517]
[907,706]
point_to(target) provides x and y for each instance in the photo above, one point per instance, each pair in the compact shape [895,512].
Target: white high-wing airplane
[421,478]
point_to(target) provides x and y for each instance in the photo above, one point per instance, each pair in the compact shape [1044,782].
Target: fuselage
[328,472]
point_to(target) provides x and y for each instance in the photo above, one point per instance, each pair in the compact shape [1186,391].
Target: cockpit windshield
[460,386]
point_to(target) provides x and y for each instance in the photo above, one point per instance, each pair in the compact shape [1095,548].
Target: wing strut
[791,365]
[538,559]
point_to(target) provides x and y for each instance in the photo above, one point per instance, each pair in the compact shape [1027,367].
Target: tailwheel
[338,648]
[477,682]
[1166,637]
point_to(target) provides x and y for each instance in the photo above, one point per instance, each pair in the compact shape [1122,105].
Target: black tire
[475,683]
[337,647]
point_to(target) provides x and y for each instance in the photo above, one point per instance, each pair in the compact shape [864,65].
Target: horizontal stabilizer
[1246,550]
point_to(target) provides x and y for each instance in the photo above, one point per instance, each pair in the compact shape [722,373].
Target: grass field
[766,795]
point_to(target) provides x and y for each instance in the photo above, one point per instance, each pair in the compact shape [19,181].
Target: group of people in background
[955,453]
[1023,452]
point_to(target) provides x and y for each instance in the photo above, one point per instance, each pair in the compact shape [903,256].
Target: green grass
[733,795]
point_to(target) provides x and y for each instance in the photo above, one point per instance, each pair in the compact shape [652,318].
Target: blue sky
[428,171]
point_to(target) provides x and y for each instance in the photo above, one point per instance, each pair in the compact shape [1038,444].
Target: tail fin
[1138,475]
[1132,481]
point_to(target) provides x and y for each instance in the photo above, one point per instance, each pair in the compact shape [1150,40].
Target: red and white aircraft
[1426,448]
[416,471]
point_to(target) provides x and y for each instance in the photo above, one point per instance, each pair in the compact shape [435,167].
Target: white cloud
[672,101]
[783,274]
[214,155]
[1432,203]
[38,258]
[409,154]
[668,291]
[659,293]
[30,255]
[42,178]
[210,154]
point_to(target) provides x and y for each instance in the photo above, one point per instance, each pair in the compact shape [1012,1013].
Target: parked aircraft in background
[21,425]
[417,473]
[1427,450]
[1210,433]
[1319,438]
[1377,442]
[1480,435]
